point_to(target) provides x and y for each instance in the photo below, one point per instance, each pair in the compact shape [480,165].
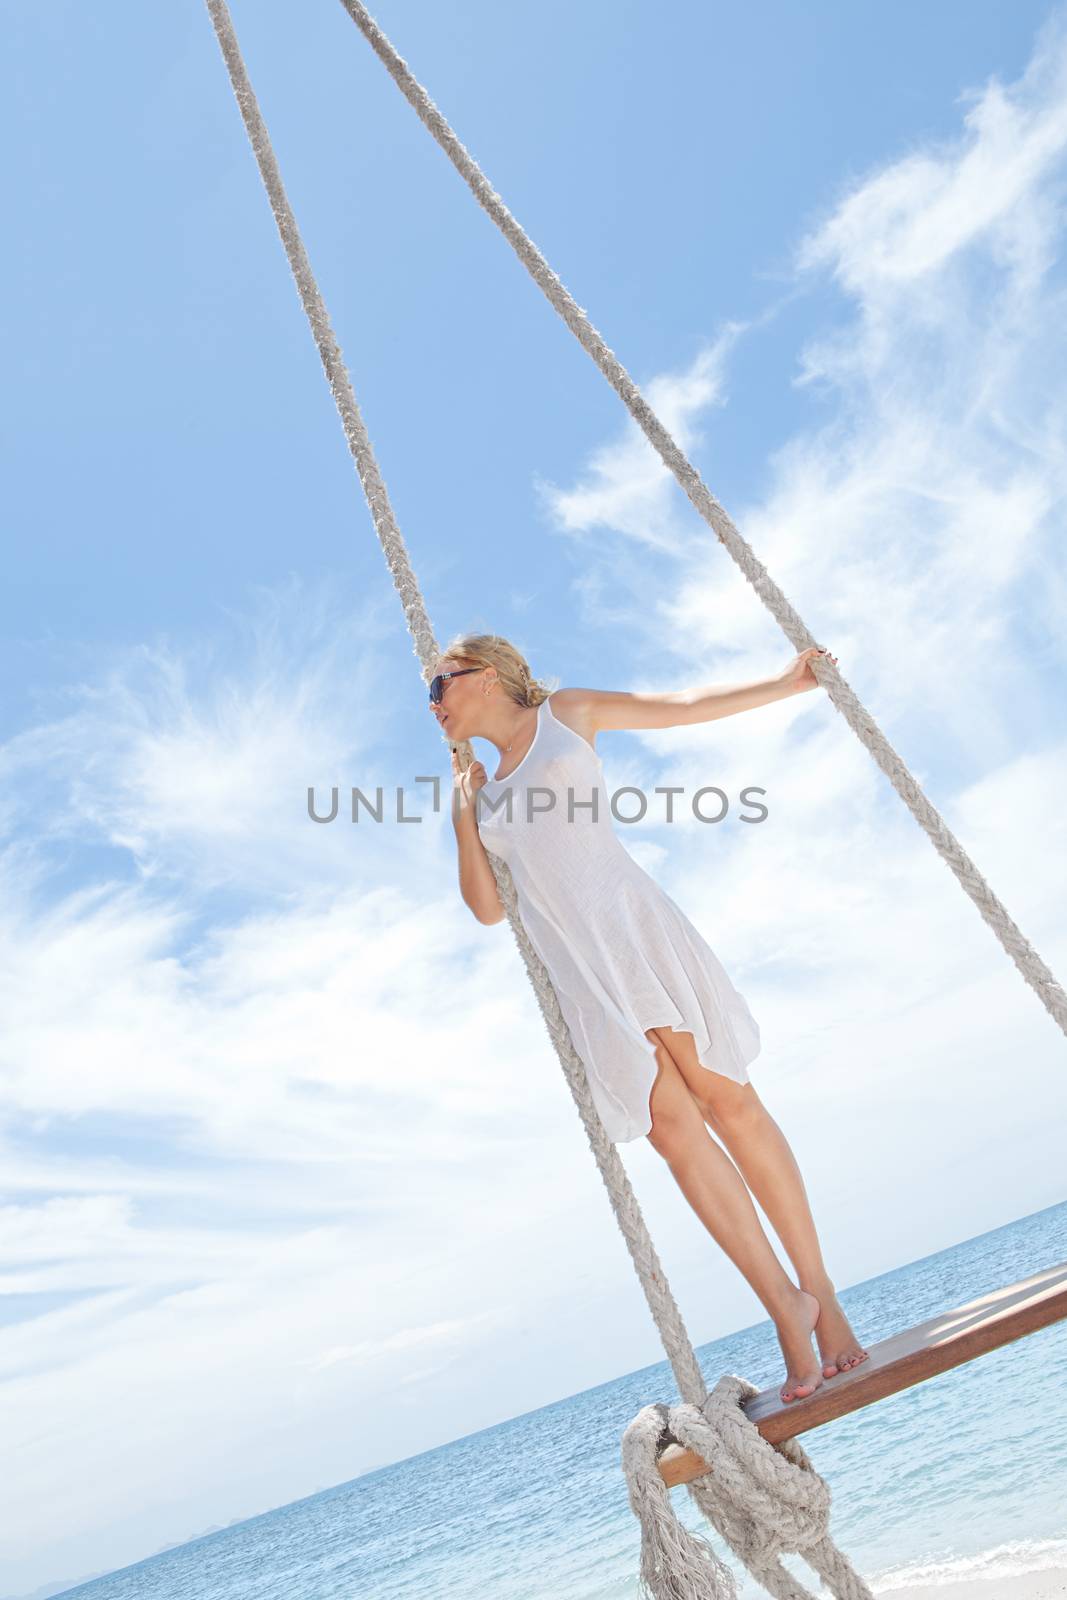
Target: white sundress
[621,954]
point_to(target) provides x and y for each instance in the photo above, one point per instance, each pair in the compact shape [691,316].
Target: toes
[799,1390]
[832,1365]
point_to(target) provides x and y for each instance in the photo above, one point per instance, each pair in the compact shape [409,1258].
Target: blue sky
[284,1138]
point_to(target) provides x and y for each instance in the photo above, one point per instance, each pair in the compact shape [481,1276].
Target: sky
[285,1144]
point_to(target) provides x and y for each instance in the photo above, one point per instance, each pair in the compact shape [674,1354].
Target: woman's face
[463,701]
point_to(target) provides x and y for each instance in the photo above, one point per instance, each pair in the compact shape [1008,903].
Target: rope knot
[765,1500]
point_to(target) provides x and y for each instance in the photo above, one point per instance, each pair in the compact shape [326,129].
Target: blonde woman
[664,1035]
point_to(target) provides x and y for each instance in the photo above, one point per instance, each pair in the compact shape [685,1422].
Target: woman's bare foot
[794,1330]
[838,1346]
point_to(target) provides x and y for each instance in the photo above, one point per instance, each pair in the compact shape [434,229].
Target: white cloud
[626,487]
[994,191]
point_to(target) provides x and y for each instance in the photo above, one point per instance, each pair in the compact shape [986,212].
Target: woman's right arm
[476,882]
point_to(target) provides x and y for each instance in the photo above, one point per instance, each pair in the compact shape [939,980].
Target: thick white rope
[764,1500]
[1029,963]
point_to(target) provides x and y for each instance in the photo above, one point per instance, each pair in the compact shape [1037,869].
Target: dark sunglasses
[437,684]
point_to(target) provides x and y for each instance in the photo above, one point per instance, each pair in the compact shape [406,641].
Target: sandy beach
[1051,1584]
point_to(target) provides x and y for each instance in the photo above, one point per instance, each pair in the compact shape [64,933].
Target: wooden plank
[900,1361]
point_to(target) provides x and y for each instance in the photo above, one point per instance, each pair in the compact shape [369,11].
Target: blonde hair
[512,668]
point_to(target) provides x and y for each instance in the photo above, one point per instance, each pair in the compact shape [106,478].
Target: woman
[664,1036]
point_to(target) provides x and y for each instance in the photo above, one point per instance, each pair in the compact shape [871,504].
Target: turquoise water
[964,1475]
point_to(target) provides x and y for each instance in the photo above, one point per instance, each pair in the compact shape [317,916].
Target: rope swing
[764,1498]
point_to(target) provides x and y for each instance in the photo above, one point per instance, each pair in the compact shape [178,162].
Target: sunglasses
[437,684]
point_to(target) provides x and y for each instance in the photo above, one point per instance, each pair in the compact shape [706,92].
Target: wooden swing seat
[900,1361]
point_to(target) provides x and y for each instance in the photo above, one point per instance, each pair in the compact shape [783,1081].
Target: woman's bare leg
[717,1193]
[766,1162]
[763,1156]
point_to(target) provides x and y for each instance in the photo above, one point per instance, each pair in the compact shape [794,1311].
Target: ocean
[964,1476]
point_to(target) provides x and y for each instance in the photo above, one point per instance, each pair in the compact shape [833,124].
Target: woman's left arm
[609,708]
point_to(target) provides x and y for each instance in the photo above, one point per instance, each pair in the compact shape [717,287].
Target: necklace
[507,747]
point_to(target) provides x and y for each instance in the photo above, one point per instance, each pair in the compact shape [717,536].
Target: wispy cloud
[625,486]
